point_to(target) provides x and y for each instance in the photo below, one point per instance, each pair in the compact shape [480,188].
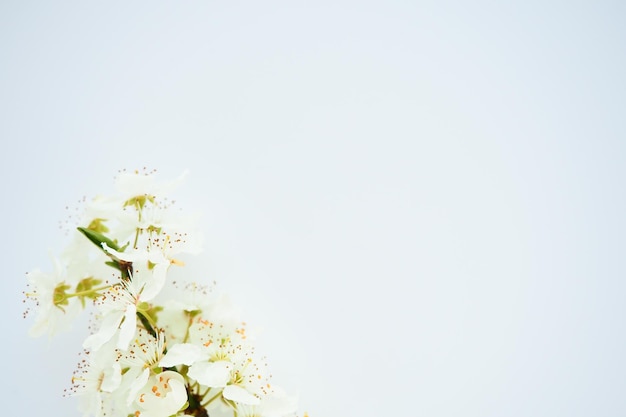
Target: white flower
[139,211]
[55,311]
[95,380]
[249,379]
[140,362]
[145,352]
[181,303]
[118,306]
[132,185]
[218,355]
[277,404]
[151,227]
[240,395]
[209,366]
[214,344]
[214,349]
[170,230]
[183,354]
[135,184]
[118,312]
[163,395]
[215,374]
[149,269]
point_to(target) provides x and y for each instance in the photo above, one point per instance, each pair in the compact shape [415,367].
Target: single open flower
[54,308]
[95,382]
[163,395]
[118,313]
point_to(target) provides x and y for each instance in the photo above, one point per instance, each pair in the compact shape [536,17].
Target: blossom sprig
[152,352]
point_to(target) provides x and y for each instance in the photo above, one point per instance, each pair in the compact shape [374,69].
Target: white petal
[240,395]
[108,327]
[137,385]
[177,397]
[124,256]
[157,280]
[128,328]
[225,311]
[112,378]
[163,395]
[278,405]
[180,305]
[183,354]
[211,374]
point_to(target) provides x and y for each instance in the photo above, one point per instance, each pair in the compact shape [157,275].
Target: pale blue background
[422,202]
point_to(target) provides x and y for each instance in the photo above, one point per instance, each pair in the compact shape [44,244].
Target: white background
[422,203]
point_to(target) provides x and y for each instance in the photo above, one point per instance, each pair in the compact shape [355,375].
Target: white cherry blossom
[163,395]
[149,269]
[118,315]
[136,183]
[276,404]
[154,351]
[54,311]
[95,382]
[139,362]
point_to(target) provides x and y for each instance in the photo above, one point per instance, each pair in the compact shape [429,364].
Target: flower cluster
[156,348]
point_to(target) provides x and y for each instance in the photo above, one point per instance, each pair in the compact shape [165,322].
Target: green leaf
[114,264]
[98,239]
[146,324]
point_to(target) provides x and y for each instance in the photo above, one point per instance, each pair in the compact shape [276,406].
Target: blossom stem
[147,322]
[136,236]
[189,323]
[88,292]
[205,393]
[213,398]
[137,230]
[231,404]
